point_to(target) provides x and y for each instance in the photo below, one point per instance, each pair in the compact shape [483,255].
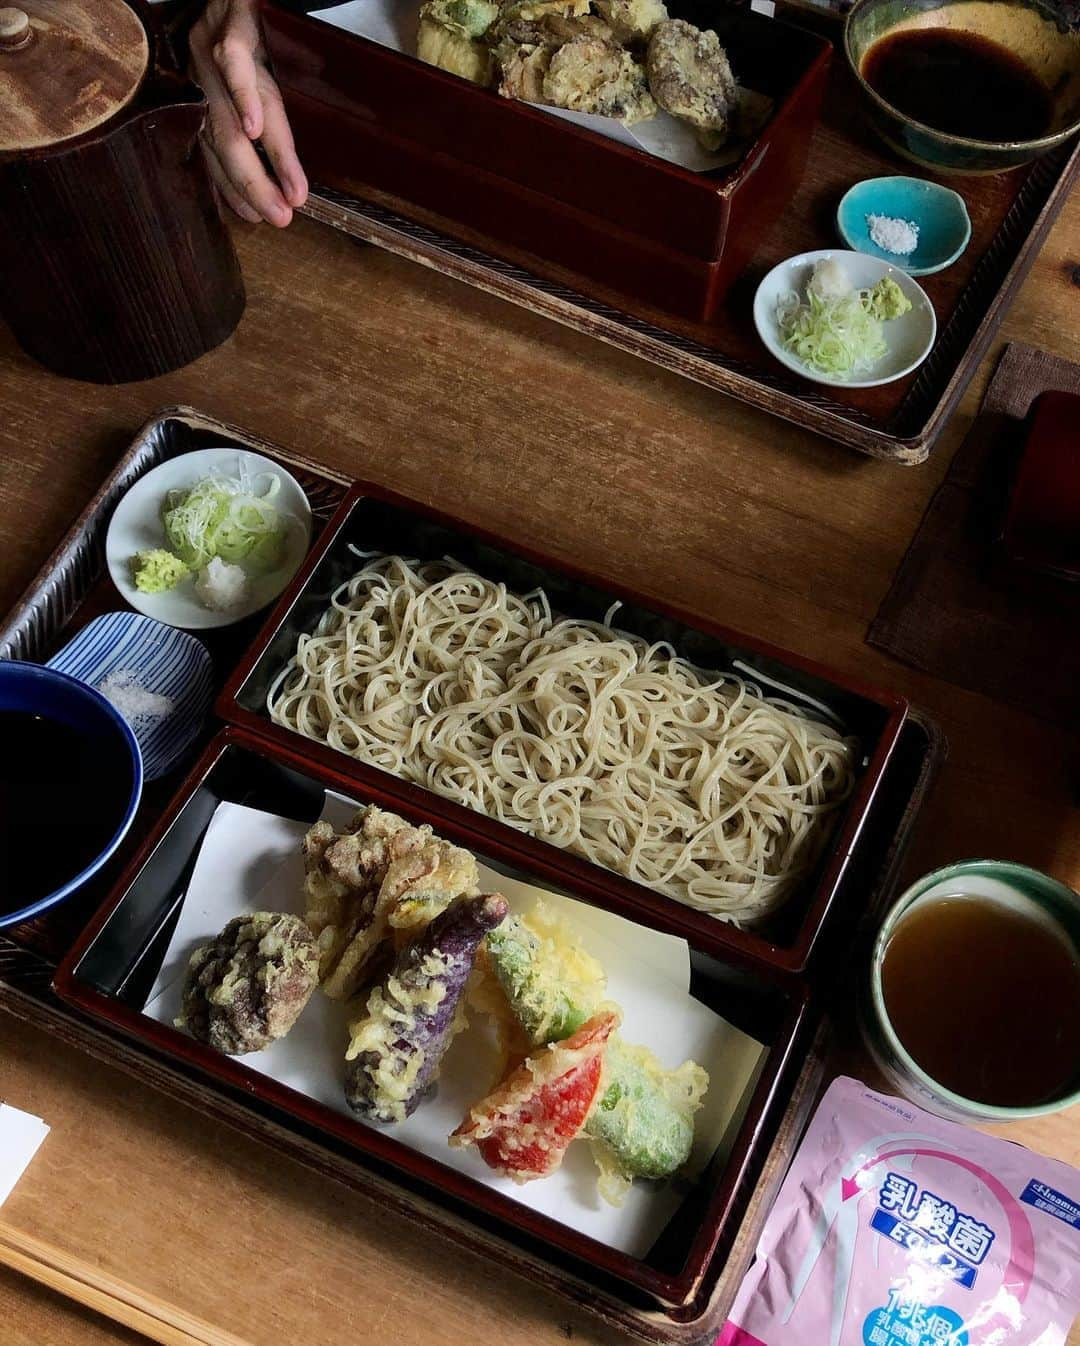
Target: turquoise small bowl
[940,213]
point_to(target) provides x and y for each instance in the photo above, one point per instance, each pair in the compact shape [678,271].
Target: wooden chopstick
[112,1298]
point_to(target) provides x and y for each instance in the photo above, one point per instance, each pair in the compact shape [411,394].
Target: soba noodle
[692,783]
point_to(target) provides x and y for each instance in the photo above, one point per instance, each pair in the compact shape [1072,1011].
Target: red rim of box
[604,887]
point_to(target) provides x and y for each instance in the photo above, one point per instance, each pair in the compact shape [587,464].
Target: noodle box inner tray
[530,186]
[827,897]
[230,844]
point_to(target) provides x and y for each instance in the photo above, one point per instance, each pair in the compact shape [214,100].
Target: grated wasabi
[156,570]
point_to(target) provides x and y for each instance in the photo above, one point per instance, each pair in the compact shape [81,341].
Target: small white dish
[136,526]
[909,338]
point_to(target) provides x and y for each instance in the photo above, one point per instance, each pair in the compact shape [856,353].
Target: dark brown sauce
[959,83]
[986,999]
[63,795]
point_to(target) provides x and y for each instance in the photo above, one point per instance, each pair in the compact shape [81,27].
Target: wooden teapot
[115,263]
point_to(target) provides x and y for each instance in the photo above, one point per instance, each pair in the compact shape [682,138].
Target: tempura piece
[470,17]
[397,1045]
[380,875]
[690,77]
[342,880]
[522,70]
[632,22]
[643,1123]
[525,1126]
[246,988]
[550,30]
[449,36]
[590,75]
[448,50]
[551,984]
[532,11]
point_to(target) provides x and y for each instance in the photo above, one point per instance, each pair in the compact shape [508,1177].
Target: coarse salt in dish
[900,237]
[897,1228]
[134,701]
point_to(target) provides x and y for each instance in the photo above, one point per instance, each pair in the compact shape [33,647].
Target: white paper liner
[250,861]
[393,24]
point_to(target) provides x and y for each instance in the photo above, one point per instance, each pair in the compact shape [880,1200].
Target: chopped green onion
[838,337]
[837,330]
[228,518]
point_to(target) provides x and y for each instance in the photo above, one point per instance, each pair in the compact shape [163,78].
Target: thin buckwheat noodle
[693,783]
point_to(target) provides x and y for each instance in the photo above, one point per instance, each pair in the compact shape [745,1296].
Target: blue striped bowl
[163,660]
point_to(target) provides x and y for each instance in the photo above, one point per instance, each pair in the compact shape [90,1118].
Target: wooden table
[383,369]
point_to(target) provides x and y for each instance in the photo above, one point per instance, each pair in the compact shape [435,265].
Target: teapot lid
[66,67]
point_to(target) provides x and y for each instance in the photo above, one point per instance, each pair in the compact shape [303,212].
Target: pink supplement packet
[896,1228]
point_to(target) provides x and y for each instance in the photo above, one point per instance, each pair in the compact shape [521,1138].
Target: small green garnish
[156,570]
[886,300]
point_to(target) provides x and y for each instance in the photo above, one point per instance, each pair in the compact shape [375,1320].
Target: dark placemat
[956,609]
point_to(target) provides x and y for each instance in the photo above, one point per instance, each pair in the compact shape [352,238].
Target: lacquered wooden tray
[1010,212]
[70,590]
[26,991]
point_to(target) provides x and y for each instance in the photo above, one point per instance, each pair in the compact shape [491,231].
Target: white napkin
[20,1136]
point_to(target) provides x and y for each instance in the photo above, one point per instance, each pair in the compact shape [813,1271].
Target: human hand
[229,62]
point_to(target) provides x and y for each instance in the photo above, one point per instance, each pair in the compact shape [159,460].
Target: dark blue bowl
[54,696]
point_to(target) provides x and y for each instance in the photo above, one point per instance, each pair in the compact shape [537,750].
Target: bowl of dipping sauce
[974,999]
[70,781]
[971,87]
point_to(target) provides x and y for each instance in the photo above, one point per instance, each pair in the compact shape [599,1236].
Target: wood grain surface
[79,66]
[380,368]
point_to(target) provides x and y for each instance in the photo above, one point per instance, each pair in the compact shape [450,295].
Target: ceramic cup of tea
[967,88]
[973,1004]
[70,782]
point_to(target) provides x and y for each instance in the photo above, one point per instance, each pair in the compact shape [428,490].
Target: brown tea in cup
[984,994]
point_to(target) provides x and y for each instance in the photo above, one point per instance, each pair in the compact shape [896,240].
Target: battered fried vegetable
[643,1119]
[532,11]
[449,36]
[381,874]
[471,18]
[632,21]
[591,75]
[643,1122]
[411,1016]
[550,30]
[522,70]
[246,988]
[690,77]
[551,984]
[524,1127]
